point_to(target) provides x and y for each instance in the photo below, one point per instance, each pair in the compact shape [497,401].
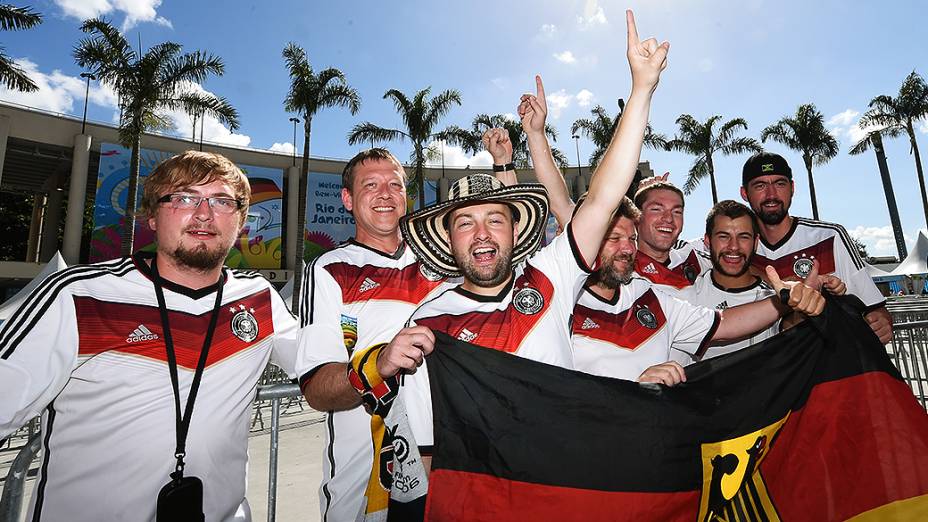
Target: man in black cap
[792,244]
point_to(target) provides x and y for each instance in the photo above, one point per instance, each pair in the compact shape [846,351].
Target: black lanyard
[183,422]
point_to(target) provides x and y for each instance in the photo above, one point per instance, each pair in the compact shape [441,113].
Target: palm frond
[698,171]
[14,18]
[14,77]
[367,131]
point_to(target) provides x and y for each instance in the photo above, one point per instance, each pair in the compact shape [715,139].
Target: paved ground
[299,469]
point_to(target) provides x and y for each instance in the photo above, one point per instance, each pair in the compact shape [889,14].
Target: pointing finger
[539,88]
[632,29]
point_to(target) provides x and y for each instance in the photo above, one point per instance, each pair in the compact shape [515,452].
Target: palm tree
[309,92]
[11,19]
[703,141]
[900,114]
[148,84]
[600,128]
[421,115]
[520,153]
[875,139]
[805,132]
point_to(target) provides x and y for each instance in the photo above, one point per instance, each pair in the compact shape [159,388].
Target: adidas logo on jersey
[588,324]
[722,306]
[649,269]
[466,335]
[368,284]
[142,333]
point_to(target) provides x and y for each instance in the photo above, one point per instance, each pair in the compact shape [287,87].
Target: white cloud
[499,83]
[558,101]
[565,57]
[136,11]
[57,92]
[548,30]
[923,127]
[213,131]
[879,241]
[456,157]
[593,15]
[843,119]
[855,133]
[285,147]
[585,98]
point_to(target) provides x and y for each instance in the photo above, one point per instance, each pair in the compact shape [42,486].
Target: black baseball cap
[765,164]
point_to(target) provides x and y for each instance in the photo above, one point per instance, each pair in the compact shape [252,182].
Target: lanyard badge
[181,499]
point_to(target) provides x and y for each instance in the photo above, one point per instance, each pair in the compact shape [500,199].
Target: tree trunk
[420,176]
[808,161]
[297,263]
[128,231]
[918,168]
[715,194]
[890,196]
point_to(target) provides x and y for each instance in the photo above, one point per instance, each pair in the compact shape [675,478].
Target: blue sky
[757,59]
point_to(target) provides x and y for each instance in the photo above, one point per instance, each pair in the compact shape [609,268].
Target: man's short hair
[628,209]
[374,154]
[189,169]
[642,195]
[732,210]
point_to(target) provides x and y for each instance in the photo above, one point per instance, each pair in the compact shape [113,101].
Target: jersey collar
[143,262]
[395,255]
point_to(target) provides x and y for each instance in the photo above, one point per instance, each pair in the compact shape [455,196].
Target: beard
[611,277]
[771,217]
[201,258]
[486,277]
[717,265]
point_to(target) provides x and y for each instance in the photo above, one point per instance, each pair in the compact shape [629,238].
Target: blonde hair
[192,168]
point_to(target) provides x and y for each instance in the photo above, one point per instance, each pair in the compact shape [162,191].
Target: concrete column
[51,220]
[77,193]
[579,186]
[4,134]
[35,228]
[442,189]
[293,229]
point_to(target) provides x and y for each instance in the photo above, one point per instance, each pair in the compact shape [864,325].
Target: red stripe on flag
[459,495]
[841,455]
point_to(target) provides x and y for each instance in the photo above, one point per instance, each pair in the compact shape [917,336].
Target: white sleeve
[286,327]
[853,271]
[320,337]
[38,352]
[562,262]
[691,326]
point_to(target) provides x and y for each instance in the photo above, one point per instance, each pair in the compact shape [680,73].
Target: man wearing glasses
[144,368]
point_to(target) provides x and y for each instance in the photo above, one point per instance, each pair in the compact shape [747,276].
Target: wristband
[377,393]
[504,168]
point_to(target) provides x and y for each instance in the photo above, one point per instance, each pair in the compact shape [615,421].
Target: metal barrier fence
[908,351]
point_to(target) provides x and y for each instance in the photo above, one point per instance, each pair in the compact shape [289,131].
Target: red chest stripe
[657,273]
[785,266]
[136,329]
[624,330]
[502,330]
[368,282]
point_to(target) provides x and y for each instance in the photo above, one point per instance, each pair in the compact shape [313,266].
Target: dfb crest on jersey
[428,273]
[689,272]
[528,301]
[802,267]
[646,317]
[244,325]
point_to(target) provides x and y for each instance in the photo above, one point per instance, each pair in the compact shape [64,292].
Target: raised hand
[802,298]
[498,144]
[406,351]
[646,59]
[533,109]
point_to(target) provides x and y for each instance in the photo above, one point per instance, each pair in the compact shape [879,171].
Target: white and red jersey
[530,318]
[708,293]
[87,350]
[355,296]
[639,327]
[830,244]
[685,264]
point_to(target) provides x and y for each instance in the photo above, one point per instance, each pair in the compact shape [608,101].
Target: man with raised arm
[791,243]
[144,368]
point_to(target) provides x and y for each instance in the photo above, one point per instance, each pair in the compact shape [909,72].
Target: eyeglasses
[191,202]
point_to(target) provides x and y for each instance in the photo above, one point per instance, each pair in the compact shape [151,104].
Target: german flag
[813,424]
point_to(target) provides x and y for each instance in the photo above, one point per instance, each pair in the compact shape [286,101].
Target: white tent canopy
[917,261]
[55,264]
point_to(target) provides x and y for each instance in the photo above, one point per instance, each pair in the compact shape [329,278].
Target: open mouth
[771,204]
[484,255]
[202,234]
[732,259]
[384,209]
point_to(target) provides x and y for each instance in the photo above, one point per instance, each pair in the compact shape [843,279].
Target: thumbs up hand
[797,295]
